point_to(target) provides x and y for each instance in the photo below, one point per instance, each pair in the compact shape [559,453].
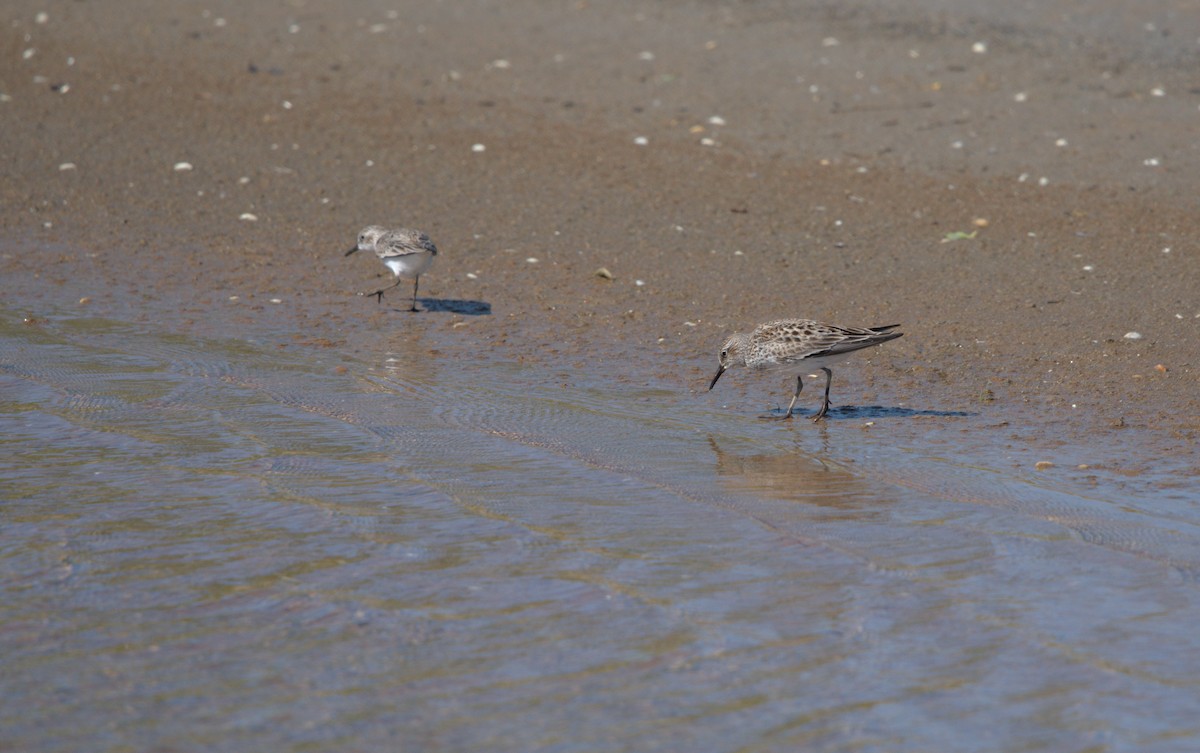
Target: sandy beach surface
[615,187]
[845,148]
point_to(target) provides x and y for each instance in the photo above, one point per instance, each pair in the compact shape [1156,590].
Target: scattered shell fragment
[85,300]
[67,166]
[276,300]
[532,260]
[641,140]
[979,48]
[1133,335]
[248,217]
[979,222]
[1161,369]
[182,166]
[1042,465]
[646,55]
[716,120]
[639,283]
[478,148]
[1020,96]
[41,18]
[603,272]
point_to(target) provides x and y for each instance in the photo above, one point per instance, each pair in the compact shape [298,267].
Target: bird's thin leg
[825,403]
[416,282]
[379,293]
[796,394]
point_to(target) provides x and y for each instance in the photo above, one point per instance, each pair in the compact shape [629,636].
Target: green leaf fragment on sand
[959,235]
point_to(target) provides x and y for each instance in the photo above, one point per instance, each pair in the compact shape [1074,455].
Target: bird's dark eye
[724,354]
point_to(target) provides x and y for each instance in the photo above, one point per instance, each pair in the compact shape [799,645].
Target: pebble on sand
[603,272]
[248,217]
[181,167]
[1133,336]
[1042,465]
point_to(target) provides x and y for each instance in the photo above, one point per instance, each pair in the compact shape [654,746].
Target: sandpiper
[799,345]
[408,253]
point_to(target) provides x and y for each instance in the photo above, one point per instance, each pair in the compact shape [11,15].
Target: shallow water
[210,544]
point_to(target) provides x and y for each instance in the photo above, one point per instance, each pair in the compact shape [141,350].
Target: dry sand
[800,159]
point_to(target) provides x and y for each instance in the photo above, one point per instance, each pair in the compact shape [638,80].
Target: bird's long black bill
[351,250]
[713,383]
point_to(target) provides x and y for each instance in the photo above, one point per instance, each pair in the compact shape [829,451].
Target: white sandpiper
[408,253]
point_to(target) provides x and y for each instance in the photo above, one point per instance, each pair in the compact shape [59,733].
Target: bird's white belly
[806,365]
[409,265]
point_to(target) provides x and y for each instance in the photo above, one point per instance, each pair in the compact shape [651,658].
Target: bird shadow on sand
[455,306]
[859,412]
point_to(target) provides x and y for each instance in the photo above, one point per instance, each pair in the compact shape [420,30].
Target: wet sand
[829,191]
[1016,187]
